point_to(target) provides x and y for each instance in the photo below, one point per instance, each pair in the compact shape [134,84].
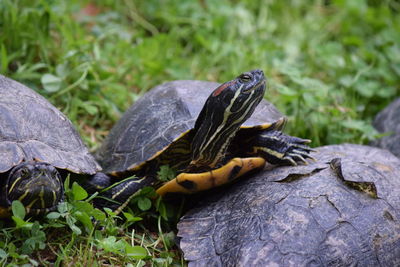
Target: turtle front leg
[280,149]
[117,196]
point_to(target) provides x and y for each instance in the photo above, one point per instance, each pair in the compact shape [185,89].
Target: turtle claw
[299,141]
[299,152]
[312,158]
[298,156]
[309,149]
[303,147]
[290,159]
[305,154]
[281,149]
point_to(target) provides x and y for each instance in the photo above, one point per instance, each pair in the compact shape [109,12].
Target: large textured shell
[32,129]
[343,210]
[388,121]
[160,116]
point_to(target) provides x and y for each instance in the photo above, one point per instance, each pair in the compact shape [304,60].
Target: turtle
[388,121]
[39,146]
[196,129]
[342,210]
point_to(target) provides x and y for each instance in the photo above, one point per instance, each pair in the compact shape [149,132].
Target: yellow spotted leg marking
[188,183]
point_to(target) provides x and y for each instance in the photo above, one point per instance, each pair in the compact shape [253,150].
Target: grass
[332,65]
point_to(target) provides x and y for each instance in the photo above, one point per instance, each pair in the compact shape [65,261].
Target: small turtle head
[37,185]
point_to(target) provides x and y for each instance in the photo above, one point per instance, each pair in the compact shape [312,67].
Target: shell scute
[312,217]
[33,129]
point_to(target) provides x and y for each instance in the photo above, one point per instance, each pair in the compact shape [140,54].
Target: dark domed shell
[343,210]
[159,117]
[32,129]
[388,121]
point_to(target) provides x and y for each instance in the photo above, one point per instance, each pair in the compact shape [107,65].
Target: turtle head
[248,85]
[228,106]
[37,185]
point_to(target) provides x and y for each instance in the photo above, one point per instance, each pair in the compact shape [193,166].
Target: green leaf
[96,51]
[88,208]
[18,209]
[98,215]
[136,252]
[84,219]
[110,212]
[98,235]
[166,173]
[286,90]
[169,239]
[130,218]
[83,206]
[112,245]
[387,92]
[144,203]
[148,191]
[36,229]
[78,192]
[71,223]
[76,229]
[367,88]
[62,70]
[91,109]
[162,209]
[51,83]
[57,225]
[3,59]
[53,215]
[63,207]
[346,80]
[354,124]
[20,223]
[3,254]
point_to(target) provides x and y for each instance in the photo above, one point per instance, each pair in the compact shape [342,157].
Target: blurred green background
[332,65]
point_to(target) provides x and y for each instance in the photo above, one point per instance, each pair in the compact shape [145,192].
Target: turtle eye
[55,172]
[24,172]
[245,77]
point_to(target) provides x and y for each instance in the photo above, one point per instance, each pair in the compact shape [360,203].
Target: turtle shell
[159,117]
[343,210]
[33,129]
[388,121]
